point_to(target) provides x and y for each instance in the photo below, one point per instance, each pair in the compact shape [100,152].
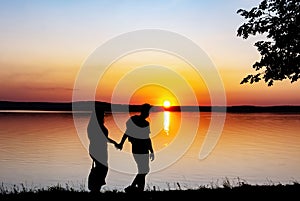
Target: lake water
[41,149]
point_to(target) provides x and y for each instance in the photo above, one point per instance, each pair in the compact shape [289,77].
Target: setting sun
[167,104]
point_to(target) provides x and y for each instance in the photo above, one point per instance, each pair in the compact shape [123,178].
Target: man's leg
[141,178]
[142,161]
[138,184]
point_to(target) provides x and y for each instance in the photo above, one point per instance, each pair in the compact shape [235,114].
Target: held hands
[119,146]
[113,142]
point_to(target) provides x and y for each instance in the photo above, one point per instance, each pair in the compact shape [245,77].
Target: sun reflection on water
[166,122]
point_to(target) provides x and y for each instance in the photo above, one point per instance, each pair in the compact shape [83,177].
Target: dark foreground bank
[243,192]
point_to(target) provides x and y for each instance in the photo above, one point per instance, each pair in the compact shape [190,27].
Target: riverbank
[241,192]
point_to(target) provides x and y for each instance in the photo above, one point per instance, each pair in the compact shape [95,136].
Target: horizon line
[96,101]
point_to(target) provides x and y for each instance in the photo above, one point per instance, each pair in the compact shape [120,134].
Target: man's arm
[151,150]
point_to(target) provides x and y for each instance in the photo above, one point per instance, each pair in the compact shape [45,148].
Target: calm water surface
[43,149]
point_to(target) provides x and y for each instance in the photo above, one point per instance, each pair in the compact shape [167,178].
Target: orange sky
[45,44]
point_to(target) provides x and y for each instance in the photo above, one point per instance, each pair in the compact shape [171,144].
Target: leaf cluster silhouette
[279,21]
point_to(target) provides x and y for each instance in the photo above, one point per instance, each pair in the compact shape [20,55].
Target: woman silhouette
[98,136]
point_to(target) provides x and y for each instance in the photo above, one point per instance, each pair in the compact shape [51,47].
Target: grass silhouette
[226,190]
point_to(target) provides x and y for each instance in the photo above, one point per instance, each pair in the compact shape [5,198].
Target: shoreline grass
[226,190]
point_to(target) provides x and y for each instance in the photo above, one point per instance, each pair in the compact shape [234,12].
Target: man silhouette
[137,132]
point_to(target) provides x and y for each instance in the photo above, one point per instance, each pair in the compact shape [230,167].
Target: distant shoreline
[86,106]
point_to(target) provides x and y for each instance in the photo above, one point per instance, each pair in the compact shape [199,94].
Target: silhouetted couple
[138,134]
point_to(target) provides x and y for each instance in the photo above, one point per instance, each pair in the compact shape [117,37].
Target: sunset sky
[45,43]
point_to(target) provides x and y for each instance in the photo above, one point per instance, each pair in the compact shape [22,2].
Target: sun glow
[166,104]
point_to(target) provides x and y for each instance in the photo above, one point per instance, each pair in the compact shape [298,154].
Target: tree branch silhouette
[279,20]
